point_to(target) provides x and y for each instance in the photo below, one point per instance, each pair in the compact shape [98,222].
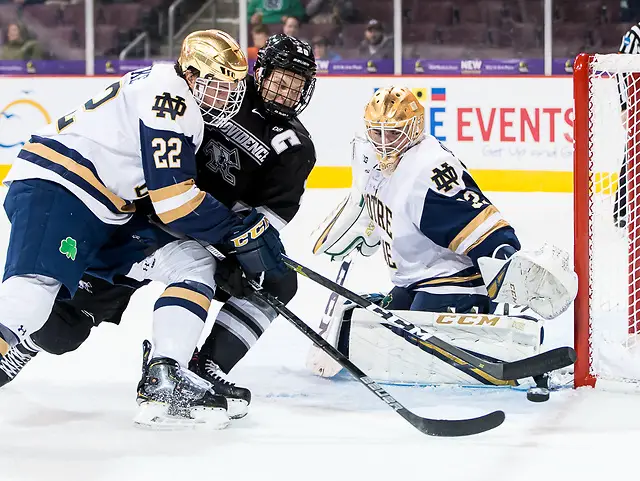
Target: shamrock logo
[69,248]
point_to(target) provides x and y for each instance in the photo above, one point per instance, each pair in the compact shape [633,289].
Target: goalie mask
[285,75]
[215,68]
[394,121]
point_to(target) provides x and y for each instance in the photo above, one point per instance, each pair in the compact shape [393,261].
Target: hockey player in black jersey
[259,159]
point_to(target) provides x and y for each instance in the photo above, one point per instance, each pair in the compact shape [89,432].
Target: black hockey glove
[230,278]
[257,246]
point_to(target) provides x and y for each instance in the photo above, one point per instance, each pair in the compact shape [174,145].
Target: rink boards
[515,134]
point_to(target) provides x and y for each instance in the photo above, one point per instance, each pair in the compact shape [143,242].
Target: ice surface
[68,418]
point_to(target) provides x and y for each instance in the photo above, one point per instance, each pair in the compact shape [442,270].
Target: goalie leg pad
[389,357]
[336,334]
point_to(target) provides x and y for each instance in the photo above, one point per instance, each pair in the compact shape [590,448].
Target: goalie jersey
[433,220]
[137,138]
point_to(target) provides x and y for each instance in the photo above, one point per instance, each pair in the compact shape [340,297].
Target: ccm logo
[255,232]
[469,320]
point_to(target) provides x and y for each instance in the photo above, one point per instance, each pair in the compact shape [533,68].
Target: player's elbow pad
[346,229]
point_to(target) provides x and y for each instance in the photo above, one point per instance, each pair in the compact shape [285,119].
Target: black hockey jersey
[257,160]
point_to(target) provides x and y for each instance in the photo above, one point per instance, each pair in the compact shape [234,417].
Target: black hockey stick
[505,371]
[432,427]
[317,361]
[333,298]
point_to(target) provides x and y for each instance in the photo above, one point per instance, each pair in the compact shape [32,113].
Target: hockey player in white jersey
[448,250]
[75,183]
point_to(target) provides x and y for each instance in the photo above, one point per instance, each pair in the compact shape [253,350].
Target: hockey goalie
[455,263]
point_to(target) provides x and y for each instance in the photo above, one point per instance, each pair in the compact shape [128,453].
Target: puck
[538,394]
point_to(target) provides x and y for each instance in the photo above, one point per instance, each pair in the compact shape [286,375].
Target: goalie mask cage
[607,220]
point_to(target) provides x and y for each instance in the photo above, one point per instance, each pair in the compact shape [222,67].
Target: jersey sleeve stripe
[174,202]
[487,226]
[471,228]
[188,295]
[183,210]
[499,225]
[72,166]
[164,193]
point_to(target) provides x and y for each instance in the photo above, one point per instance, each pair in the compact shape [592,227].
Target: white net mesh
[614,217]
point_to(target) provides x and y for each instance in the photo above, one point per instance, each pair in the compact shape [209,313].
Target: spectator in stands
[270,12]
[321,49]
[291,26]
[260,34]
[330,11]
[376,45]
[18,45]
[630,10]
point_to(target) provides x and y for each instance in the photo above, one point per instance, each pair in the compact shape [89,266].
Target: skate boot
[238,398]
[170,397]
[13,361]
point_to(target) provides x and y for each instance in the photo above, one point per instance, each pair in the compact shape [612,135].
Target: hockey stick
[317,361]
[505,371]
[432,427]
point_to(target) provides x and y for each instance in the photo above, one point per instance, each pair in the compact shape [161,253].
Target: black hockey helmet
[285,93]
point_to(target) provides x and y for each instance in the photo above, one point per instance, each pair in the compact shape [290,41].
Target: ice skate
[13,361]
[238,398]
[170,397]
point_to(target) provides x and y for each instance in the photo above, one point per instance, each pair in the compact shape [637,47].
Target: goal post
[607,220]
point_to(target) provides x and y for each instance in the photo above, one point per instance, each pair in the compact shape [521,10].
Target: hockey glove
[230,278]
[257,246]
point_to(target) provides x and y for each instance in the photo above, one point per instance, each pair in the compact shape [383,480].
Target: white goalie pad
[542,280]
[388,357]
[346,229]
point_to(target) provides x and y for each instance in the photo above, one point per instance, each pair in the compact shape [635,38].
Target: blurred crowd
[337,29]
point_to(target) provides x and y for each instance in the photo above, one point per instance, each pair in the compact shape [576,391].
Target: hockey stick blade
[431,427]
[505,371]
[540,363]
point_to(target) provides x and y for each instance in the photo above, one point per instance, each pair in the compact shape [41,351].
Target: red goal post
[607,220]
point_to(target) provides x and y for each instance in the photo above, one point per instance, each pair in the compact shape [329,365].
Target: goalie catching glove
[541,279]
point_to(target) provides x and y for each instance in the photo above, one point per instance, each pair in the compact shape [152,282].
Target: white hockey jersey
[136,138]
[433,219]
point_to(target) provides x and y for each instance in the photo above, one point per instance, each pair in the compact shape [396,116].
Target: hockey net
[607,220]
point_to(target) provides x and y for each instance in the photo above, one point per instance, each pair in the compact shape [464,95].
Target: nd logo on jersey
[434,102]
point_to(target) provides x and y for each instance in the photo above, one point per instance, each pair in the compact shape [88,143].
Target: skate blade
[237,408]
[154,416]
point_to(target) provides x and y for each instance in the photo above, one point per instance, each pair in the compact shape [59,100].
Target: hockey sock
[26,302]
[178,318]
[239,325]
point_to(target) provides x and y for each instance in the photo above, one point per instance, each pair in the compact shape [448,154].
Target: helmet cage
[219,101]
[391,139]
[291,55]
[295,100]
